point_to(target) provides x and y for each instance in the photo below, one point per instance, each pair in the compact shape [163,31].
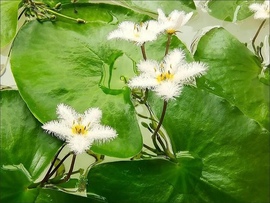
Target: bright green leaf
[152,6]
[153,180]
[9,14]
[83,69]
[233,10]
[234,74]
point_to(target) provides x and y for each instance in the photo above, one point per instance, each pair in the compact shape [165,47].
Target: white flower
[174,21]
[137,33]
[261,10]
[79,131]
[167,78]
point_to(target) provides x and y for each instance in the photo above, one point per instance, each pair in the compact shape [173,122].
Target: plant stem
[143,51]
[70,170]
[256,35]
[78,20]
[154,136]
[46,178]
[52,164]
[168,43]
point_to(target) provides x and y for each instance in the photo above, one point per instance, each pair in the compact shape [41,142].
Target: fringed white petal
[137,33]
[142,81]
[59,129]
[66,113]
[261,11]
[102,133]
[91,116]
[173,60]
[78,144]
[188,72]
[168,90]
[186,18]
[149,67]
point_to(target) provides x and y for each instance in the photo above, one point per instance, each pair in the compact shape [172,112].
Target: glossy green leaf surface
[152,6]
[23,139]
[233,147]
[154,180]
[8,14]
[220,123]
[25,149]
[75,64]
[233,10]
[234,74]
[25,152]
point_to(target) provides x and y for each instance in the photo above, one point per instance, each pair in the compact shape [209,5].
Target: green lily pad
[233,10]
[153,180]
[234,74]
[83,69]
[9,14]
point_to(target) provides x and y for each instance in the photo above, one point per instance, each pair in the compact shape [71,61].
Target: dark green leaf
[234,74]
[9,13]
[23,140]
[25,149]
[154,180]
[233,147]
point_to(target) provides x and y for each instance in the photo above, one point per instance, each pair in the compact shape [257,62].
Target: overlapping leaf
[154,180]
[65,62]
[232,11]
[9,13]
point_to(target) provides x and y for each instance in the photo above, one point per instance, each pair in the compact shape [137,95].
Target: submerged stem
[46,177]
[161,118]
[256,35]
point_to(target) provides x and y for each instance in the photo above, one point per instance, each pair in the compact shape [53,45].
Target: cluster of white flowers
[167,78]
[149,30]
[262,11]
[79,131]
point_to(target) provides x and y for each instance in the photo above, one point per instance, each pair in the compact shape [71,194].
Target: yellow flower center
[171,31]
[79,129]
[165,76]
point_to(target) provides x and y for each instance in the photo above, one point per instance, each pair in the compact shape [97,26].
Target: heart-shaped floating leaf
[25,151]
[9,13]
[232,11]
[154,180]
[233,147]
[152,6]
[75,64]
[224,122]
[234,74]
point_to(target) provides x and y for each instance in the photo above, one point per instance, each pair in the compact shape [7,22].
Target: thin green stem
[78,20]
[168,43]
[143,51]
[256,35]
